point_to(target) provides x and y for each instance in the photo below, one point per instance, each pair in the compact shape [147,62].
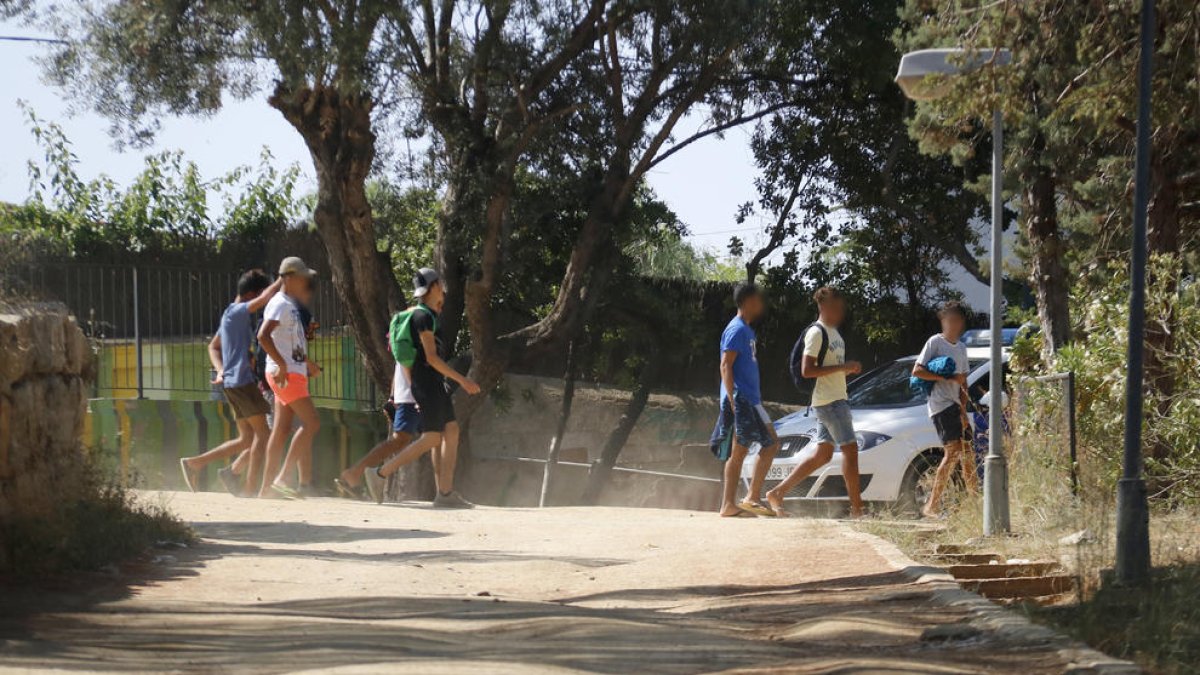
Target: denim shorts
[834,423]
[750,425]
[407,420]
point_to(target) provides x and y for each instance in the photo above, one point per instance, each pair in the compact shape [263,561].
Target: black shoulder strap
[824,342]
[797,357]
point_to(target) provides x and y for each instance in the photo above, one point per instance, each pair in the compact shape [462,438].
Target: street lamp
[913,78]
[1133,512]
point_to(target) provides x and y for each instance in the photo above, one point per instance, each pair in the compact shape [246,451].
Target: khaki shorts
[247,401]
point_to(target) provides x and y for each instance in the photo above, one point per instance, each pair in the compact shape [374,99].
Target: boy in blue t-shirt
[743,421]
[229,352]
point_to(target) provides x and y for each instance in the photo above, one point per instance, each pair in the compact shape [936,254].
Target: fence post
[1071,433]
[137,333]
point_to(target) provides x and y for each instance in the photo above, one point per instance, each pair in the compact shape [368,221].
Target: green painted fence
[144,439]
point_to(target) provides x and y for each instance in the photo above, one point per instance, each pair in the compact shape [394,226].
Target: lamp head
[916,67]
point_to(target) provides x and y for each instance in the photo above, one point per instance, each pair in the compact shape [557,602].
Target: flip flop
[739,514]
[346,490]
[286,491]
[189,478]
[757,509]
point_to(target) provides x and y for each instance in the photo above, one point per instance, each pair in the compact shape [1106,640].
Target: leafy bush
[1099,358]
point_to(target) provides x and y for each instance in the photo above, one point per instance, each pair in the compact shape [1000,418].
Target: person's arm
[809,368]
[268,345]
[727,359]
[263,298]
[214,356]
[429,344]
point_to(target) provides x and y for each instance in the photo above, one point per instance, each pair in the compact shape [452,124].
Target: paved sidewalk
[342,586]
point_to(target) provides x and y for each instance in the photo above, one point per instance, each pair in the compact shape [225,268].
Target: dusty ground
[351,587]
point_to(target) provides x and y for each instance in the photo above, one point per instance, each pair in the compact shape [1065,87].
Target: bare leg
[301,447]
[377,456]
[733,474]
[279,435]
[252,461]
[850,475]
[946,469]
[427,442]
[803,470]
[762,465]
[446,459]
[970,473]
[226,449]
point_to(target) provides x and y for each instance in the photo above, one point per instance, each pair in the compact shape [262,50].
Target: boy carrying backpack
[820,355]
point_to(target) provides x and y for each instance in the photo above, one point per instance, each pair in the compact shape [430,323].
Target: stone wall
[45,367]
[671,437]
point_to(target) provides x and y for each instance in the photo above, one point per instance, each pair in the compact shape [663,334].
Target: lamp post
[913,78]
[1133,513]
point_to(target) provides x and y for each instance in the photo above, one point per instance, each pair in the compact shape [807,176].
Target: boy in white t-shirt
[948,403]
[288,370]
[406,427]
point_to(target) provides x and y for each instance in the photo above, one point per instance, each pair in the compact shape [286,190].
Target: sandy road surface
[334,585]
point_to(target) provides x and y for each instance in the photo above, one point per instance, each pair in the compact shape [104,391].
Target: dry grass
[97,521]
[1157,626]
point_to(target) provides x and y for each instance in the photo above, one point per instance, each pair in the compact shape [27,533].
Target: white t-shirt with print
[288,335]
[402,386]
[945,392]
[829,388]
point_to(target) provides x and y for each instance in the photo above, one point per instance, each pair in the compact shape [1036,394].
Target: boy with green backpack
[406,418]
[429,373]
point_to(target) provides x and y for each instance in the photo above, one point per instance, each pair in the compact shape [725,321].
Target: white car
[898,445]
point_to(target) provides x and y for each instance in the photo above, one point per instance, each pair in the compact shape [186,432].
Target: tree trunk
[564,416]
[337,130]
[601,470]
[1048,275]
[1162,240]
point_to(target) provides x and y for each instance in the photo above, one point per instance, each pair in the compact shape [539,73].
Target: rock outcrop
[45,368]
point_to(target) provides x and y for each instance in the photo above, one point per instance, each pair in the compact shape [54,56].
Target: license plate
[778,472]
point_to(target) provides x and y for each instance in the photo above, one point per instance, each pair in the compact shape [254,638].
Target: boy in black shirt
[439,430]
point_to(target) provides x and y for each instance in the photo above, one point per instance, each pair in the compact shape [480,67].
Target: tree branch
[724,126]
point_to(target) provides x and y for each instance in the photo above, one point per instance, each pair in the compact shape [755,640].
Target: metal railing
[152,326]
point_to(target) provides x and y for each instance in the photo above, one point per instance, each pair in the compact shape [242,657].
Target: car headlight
[869,439]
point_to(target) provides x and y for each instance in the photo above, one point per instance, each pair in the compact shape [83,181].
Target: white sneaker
[451,500]
[376,484]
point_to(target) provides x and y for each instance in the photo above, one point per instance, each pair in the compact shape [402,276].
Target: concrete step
[969,558]
[1003,570]
[1021,587]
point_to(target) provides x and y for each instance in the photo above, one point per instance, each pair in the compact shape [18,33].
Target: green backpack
[400,335]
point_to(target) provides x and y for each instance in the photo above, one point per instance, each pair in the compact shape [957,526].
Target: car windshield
[887,386]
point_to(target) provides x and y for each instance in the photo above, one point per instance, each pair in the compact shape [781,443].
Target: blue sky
[704,183]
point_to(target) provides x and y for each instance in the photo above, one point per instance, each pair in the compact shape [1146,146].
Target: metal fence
[152,326]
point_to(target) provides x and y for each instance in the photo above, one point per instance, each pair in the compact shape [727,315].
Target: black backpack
[796,360]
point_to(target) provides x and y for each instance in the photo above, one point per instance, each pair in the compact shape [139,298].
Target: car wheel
[917,482]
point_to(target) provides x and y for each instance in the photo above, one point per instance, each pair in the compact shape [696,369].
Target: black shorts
[949,424]
[436,406]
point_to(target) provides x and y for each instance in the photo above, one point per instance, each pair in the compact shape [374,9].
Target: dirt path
[350,587]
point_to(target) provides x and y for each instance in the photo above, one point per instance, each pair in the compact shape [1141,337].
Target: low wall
[671,436]
[45,365]
[145,439]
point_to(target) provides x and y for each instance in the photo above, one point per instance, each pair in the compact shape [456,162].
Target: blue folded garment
[942,365]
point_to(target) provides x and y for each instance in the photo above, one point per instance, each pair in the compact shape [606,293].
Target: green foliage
[167,207]
[1099,361]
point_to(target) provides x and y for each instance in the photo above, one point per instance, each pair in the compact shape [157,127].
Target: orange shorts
[296,389]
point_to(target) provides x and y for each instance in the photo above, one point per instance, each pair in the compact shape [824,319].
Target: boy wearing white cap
[288,370]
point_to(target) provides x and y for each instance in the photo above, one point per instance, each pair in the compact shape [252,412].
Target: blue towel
[942,365]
